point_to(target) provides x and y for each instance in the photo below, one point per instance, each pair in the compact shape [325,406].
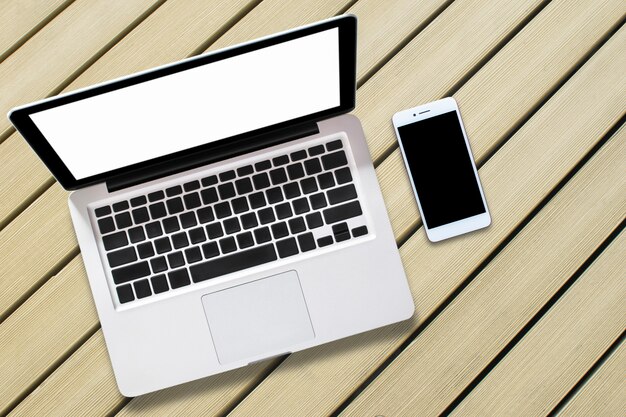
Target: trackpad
[264,317]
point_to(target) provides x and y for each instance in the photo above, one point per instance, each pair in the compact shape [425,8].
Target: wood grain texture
[605,393]
[61,48]
[493,308]
[518,176]
[19,19]
[557,352]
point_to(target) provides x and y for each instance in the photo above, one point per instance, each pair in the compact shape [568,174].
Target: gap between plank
[428,320]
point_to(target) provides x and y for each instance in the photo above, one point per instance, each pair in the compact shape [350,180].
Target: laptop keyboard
[237,219]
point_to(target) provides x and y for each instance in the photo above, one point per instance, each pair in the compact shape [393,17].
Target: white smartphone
[441,168]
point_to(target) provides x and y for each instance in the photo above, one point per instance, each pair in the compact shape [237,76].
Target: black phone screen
[442,170]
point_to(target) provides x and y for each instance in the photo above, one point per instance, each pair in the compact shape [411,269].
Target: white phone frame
[427,111]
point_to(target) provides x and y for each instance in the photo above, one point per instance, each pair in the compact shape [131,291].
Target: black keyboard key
[283,211]
[262,166]
[334,160]
[314,220]
[298,155]
[142,288]
[274,195]
[157,210]
[291,190]
[248,221]
[159,284]
[214,230]
[222,210]
[301,205]
[197,235]
[261,181]
[106,225]
[163,245]
[266,215]
[309,185]
[295,171]
[342,212]
[341,194]
[176,259]
[312,166]
[125,293]
[245,170]
[306,242]
[262,235]
[158,264]
[130,272]
[326,180]
[287,247]
[145,250]
[179,278]
[257,200]
[138,201]
[341,232]
[123,220]
[359,231]
[227,176]
[231,226]
[243,186]
[233,263]
[193,255]
[342,236]
[175,205]
[136,234]
[206,215]
[244,240]
[316,150]
[325,241]
[171,225]
[343,175]
[280,160]
[115,240]
[140,215]
[296,225]
[334,145]
[188,220]
[240,205]
[179,240]
[226,190]
[208,181]
[210,250]
[191,186]
[192,201]
[156,196]
[228,245]
[278,176]
[209,195]
[154,229]
[318,201]
[102,211]
[120,206]
[280,230]
[173,191]
[122,257]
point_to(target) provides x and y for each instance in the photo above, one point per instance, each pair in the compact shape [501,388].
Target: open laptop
[226,206]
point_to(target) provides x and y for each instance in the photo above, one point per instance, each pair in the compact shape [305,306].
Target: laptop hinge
[227,150]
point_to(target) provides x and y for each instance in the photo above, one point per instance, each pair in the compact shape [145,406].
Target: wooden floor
[524,318]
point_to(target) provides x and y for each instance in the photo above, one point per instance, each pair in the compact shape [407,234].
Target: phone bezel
[427,111]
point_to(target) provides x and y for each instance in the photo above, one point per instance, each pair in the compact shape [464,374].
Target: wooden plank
[605,393]
[561,348]
[20,19]
[428,374]
[62,47]
[519,175]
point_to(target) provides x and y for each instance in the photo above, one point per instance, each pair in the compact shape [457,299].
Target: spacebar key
[233,263]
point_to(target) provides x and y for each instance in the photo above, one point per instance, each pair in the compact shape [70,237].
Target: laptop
[226,206]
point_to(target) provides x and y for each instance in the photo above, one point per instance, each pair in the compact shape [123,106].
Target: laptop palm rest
[266,316]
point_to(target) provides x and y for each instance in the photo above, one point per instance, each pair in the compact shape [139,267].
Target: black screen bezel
[20,117]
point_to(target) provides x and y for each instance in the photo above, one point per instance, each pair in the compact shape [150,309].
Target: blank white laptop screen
[196,106]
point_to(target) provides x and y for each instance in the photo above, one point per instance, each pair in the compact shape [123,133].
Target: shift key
[131,272]
[343,212]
